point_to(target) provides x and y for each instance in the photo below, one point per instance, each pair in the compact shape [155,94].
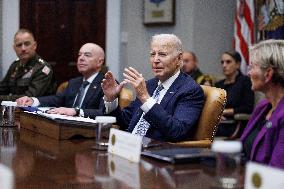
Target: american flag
[244,30]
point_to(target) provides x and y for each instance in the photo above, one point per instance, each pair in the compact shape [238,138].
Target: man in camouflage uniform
[29,75]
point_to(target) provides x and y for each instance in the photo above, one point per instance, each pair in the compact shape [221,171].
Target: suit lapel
[257,140]
[169,94]
[271,122]
[92,90]
[253,123]
[172,90]
[74,89]
[261,132]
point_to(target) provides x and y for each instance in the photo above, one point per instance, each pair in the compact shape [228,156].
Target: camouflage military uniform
[35,78]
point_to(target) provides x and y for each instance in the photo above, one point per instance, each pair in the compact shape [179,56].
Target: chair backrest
[125,97]
[62,87]
[215,101]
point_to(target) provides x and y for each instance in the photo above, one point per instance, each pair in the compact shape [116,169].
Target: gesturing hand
[110,87]
[138,83]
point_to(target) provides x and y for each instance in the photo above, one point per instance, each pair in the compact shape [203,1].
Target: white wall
[213,28]
[10,24]
[204,26]
[113,34]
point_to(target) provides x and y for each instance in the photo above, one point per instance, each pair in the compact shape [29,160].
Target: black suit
[92,104]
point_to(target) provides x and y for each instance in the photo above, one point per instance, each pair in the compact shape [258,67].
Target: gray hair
[172,39]
[270,53]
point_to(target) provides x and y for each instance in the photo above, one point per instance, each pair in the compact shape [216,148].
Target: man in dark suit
[166,107]
[83,95]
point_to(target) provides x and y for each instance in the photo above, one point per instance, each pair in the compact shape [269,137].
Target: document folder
[180,155]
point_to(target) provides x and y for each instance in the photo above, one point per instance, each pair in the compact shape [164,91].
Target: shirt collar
[169,81]
[90,79]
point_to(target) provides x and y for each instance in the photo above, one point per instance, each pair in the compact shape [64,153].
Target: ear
[268,74]
[180,62]
[239,65]
[180,56]
[100,62]
[35,45]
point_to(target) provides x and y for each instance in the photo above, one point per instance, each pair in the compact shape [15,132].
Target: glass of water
[228,156]
[102,131]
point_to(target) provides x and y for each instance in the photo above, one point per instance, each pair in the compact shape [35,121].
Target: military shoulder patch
[46,70]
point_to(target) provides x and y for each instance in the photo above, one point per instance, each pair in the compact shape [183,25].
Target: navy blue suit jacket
[175,118]
[92,103]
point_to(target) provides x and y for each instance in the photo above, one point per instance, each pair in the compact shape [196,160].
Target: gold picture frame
[159,12]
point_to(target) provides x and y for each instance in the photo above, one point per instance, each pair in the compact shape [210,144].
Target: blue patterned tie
[80,94]
[142,126]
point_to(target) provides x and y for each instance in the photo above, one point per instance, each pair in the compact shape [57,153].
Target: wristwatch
[77,110]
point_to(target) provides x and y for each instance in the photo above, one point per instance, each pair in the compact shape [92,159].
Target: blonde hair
[270,53]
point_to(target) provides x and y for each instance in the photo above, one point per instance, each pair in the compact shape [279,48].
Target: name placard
[263,177]
[125,144]
[6,177]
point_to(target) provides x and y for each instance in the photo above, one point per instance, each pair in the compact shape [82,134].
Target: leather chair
[215,101]
[125,97]
[62,87]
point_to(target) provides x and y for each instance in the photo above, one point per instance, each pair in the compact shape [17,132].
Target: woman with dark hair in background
[263,138]
[240,97]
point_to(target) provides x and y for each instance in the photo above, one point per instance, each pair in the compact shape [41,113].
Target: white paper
[125,144]
[6,177]
[263,177]
[64,117]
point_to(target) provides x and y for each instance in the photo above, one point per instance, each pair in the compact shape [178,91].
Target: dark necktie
[80,94]
[142,126]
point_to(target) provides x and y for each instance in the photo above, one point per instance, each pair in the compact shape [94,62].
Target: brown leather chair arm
[241,117]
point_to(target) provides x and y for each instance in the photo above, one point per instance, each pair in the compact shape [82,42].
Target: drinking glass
[102,131]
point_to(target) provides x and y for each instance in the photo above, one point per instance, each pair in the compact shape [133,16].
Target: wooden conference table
[38,162]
